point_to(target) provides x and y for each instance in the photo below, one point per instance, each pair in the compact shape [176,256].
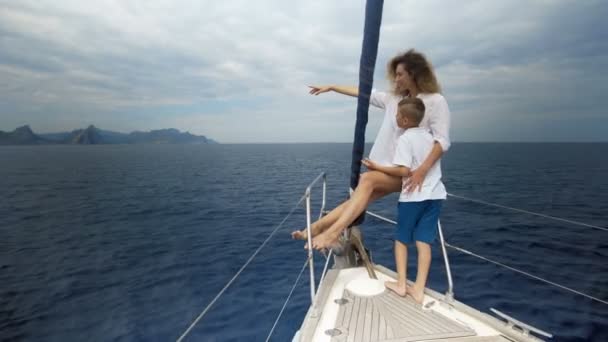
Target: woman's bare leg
[326,221]
[322,224]
[371,182]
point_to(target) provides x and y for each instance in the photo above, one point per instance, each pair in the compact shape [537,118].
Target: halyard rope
[287,300]
[528,212]
[204,312]
[502,265]
[526,274]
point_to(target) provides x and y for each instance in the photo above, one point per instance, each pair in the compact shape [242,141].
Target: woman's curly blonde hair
[419,68]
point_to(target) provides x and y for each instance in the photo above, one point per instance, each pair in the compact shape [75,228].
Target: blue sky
[236,71]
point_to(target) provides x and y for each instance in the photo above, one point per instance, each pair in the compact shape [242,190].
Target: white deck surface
[384,316]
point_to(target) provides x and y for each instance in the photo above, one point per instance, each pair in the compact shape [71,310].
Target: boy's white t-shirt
[413,147]
[436,120]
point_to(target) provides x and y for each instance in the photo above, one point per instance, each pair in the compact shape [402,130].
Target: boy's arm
[417,176]
[397,171]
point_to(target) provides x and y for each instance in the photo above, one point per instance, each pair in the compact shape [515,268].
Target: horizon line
[338,142]
[454,142]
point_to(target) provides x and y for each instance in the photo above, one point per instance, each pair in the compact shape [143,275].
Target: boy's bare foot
[395,287]
[299,235]
[416,293]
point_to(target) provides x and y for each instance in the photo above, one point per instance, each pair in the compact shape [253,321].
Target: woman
[412,76]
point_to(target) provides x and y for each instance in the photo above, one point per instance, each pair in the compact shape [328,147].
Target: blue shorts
[417,221]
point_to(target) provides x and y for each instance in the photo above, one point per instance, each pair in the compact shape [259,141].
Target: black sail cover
[369,52]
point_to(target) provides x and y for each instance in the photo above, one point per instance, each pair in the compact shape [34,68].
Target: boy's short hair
[412,108]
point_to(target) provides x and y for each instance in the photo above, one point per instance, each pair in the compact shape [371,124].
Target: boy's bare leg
[400,286]
[424,264]
[375,183]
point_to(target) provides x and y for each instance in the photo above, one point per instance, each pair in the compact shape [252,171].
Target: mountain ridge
[92,135]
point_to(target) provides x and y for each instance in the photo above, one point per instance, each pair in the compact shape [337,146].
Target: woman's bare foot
[299,234]
[317,228]
[395,287]
[324,240]
[416,293]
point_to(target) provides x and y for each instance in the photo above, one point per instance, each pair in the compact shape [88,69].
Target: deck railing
[449,296]
[307,196]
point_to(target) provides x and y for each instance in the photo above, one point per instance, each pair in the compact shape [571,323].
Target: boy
[418,212]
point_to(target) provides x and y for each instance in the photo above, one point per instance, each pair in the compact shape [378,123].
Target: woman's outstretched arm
[346,90]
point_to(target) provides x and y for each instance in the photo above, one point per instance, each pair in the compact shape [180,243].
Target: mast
[369,52]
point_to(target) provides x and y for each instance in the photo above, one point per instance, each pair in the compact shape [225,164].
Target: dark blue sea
[131,242]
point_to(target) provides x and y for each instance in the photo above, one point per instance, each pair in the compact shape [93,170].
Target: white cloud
[221,68]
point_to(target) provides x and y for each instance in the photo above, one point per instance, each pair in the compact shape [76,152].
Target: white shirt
[413,147]
[436,119]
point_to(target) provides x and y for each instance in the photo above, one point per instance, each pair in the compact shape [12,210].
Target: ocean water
[131,242]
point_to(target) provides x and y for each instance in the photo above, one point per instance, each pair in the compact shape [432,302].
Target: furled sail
[369,52]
